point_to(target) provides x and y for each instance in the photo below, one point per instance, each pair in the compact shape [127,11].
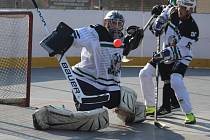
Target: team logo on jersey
[193,34]
[115,65]
[172,40]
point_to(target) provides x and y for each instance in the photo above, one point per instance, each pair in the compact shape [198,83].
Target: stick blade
[159,125]
[125,59]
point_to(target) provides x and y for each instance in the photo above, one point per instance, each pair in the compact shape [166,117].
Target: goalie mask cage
[15,57]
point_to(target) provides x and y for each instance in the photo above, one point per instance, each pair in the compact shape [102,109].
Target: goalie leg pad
[40,118]
[138,116]
[59,41]
[128,100]
[140,112]
[59,118]
[126,109]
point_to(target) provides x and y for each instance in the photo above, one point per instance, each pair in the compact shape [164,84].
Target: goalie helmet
[114,22]
[189,4]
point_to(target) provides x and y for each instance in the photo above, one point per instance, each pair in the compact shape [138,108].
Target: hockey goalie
[95,80]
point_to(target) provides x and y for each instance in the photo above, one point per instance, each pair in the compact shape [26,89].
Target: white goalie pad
[50,117]
[138,116]
[129,110]
[128,100]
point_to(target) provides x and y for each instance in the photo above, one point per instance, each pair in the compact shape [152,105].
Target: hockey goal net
[15,57]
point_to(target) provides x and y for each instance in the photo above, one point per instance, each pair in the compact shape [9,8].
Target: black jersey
[184,28]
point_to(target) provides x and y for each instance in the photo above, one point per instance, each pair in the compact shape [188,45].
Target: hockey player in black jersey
[181,31]
[97,77]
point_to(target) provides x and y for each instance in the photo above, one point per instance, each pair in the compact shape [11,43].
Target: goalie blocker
[59,41]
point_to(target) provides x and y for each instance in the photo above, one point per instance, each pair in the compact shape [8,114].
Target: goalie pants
[176,79]
[89,89]
[123,100]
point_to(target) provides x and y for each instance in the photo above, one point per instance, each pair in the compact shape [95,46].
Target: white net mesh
[14,47]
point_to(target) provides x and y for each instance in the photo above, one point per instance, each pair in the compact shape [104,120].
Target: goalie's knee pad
[50,117]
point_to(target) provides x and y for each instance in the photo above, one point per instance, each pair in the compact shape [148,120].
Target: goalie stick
[149,22]
[68,72]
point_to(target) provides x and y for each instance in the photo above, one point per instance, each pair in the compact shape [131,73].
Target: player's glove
[157,9]
[158,26]
[169,53]
[134,36]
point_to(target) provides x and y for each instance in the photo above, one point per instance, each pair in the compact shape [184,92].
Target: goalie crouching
[97,76]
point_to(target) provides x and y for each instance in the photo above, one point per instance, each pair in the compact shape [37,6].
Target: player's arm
[60,40]
[84,36]
[177,52]
[162,19]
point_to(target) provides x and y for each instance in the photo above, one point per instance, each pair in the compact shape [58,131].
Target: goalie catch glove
[134,36]
[59,41]
[169,53]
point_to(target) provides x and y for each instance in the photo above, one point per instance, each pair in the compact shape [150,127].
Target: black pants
[169,97]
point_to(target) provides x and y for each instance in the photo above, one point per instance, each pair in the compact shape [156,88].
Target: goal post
[16,29]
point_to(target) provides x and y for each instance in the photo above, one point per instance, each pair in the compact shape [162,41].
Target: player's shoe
[190,119]
[163,112]
[175,108]
[150,110]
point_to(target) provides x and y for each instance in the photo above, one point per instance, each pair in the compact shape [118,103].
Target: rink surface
[50,87]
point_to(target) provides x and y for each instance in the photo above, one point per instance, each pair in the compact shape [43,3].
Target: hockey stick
[68,72]
[149,22]
[156,122]
[124,59]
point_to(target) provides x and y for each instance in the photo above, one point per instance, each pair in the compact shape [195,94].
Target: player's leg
[129,110]
[174,102]
[182,94]
[147,86]
[168,92]
[50,117]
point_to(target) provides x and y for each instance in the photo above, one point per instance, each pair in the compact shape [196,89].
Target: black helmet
[114,22]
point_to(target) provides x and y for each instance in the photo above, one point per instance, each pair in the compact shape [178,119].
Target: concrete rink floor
[50,87]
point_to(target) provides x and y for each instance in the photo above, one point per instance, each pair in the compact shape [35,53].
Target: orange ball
[117,43]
